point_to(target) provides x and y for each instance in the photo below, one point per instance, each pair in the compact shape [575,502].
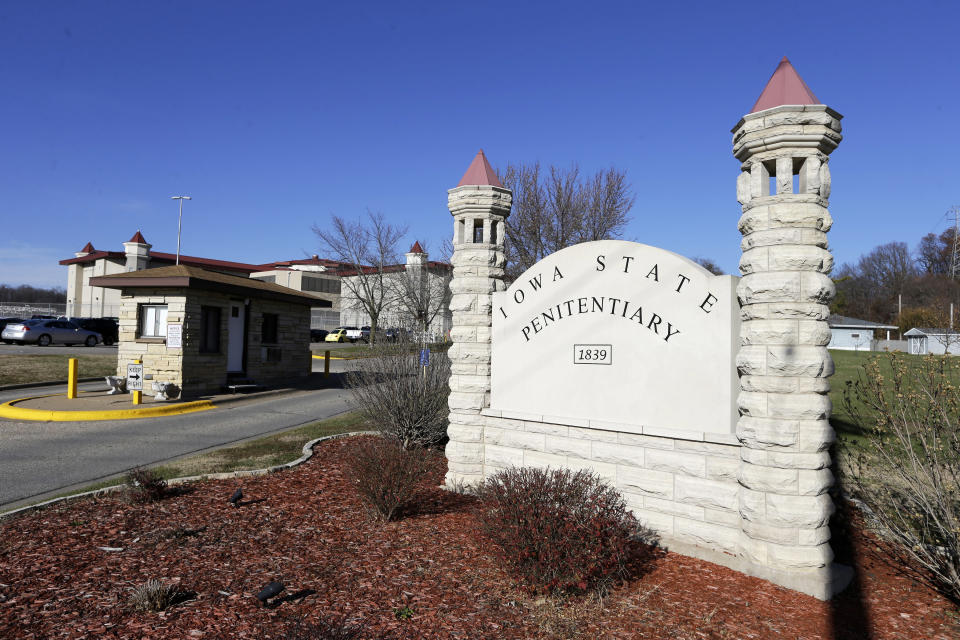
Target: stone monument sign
[703,400]
[600,314]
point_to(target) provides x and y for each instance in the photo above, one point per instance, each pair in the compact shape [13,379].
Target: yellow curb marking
[9,411]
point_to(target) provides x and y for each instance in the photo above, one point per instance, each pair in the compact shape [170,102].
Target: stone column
[783,361]
[477,273]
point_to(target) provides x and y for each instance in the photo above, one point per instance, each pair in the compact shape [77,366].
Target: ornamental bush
[385,475]
[560,530]
[143,485]
[908,474]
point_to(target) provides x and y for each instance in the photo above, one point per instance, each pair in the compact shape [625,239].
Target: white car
[47,332]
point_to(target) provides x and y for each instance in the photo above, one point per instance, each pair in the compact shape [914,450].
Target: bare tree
[559,208]
[422,292]
[369,247]
[888,267]
[709,265]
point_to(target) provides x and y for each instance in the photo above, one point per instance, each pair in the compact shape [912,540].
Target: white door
[235,338]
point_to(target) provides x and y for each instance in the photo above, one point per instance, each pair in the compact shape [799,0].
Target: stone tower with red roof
[137,250]
[480,206]
[784,145]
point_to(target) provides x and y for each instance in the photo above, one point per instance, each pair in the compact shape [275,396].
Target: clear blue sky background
[274,116]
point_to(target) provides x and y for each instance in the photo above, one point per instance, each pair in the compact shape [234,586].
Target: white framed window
[153,321]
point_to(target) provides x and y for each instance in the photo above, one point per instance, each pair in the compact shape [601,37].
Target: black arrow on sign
[135,376]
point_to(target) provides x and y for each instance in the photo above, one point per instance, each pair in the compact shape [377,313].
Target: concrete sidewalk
[99,405]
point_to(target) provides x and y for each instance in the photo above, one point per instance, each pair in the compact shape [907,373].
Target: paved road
[42,459]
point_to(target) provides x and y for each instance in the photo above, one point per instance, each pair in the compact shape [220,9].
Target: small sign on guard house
[619,332]
[135,377]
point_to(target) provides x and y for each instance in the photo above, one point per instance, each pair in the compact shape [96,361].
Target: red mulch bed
[309,530]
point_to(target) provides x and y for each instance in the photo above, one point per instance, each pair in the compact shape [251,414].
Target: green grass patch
[261,453]
[359,350]
[23,369]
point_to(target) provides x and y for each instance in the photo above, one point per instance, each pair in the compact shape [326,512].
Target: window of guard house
[153,321]
[478,230]
[268,330]
[209,329]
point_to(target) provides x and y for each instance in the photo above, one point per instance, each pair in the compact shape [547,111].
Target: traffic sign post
[135,381]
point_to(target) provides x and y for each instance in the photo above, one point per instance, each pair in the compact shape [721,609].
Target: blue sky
[275,116]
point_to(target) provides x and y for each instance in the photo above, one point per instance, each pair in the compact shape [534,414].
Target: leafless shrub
[385,474]
[399,397]
[910,474]
[154,595]
[143,485]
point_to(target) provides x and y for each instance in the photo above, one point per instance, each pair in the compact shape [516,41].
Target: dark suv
[106,327]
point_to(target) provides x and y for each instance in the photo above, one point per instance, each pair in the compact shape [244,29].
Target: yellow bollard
[72,378]
[326,363]
[137,395]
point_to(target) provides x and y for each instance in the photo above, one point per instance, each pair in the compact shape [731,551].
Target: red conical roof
[137,237]
[784,87]
[416,248]
[87,248]
[480,173]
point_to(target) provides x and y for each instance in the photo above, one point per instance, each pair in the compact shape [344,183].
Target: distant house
[924,340]
[853,334]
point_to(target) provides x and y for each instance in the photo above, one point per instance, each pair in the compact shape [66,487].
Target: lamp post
[179,221]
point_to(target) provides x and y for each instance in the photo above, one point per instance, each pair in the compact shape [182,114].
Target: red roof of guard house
[480,173]
[138,237]
[416,248]
[784,87]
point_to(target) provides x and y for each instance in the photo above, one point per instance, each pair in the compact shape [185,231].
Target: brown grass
[22,369]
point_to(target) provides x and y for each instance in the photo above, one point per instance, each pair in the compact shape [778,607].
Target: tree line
[27,293]
[894,285]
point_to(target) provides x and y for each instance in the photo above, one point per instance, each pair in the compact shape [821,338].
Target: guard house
[202,330]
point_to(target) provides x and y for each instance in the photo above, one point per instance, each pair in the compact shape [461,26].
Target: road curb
[11,412]
[29,385]
[307,453]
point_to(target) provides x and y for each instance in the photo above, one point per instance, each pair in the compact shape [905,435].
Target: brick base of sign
[684,488]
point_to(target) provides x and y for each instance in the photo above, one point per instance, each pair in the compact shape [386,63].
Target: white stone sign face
[618,332]
[175,336]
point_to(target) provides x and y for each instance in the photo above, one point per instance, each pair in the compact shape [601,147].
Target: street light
[179,221]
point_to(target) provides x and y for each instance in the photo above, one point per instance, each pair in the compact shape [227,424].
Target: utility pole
[955,254]
[180,221]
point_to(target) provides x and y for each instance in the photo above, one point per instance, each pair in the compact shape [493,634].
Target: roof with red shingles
[138,237]
[416,248]
[785,86]
[480,173]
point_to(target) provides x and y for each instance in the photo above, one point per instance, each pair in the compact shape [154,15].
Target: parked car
[339,334]
[46,332]
[395,334]
[106,327]
[318,335]
[5,321]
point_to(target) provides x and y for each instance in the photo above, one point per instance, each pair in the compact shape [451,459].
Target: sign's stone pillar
[784,428]
[479,205]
